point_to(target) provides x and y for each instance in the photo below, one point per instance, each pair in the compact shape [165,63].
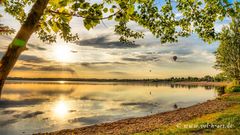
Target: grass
[226,122]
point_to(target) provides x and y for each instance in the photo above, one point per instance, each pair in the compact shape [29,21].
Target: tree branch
[5,30]
[77,15]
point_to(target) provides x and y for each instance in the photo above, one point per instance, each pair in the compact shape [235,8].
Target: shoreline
[203,83]
[149,123]
[183,83]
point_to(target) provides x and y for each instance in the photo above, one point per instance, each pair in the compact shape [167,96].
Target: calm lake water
[27,108]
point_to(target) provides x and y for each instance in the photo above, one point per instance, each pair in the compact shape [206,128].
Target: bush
[233,87]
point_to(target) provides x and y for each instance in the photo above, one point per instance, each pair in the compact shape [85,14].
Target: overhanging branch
[86,17]
[5,30]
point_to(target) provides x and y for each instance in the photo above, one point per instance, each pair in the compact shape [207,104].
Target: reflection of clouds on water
[95,106]
[18,117]
[186,104]
[141,106]
[8,122]
[97,96]
[93,119]
[21,103]
[15,92]
[51,106]
[4,112]
[56,93]
[91,98]
[27,114]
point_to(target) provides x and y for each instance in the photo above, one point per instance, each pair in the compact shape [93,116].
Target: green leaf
[55,27]
[105,10]
[87,24]
[130,9]
[85,5]
[111,10]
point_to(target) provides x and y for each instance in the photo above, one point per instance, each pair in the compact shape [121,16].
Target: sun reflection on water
[61,109]
[61,82]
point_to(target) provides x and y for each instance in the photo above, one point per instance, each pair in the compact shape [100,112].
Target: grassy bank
[225,122]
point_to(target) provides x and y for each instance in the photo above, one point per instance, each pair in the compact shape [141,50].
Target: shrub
[233,87]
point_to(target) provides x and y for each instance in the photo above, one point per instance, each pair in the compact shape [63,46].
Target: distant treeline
[207,78]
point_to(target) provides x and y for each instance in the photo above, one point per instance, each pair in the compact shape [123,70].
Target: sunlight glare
[61,82]
[61,109]
[62,53]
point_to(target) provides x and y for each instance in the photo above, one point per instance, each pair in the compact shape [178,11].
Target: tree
[208,78]
[221,77]
[51,18]
[228,53]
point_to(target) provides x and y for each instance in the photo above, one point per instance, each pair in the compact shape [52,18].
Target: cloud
[55,68]
[187,52]
[33,67]
[36,47]
[6,37]
[119,73]
[31,58]
[24,68]
[105,43]
[180,51]
[95,64]
[142,58]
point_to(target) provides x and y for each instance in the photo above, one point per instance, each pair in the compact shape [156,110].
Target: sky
[99,54]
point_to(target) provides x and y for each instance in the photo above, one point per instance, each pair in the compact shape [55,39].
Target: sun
[62,53]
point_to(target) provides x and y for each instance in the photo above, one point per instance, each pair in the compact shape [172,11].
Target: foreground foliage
[159,17]
[234,86]
[228,53]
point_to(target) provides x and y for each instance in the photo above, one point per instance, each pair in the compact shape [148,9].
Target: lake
[33,107]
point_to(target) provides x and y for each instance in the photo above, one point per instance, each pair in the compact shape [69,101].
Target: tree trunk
[18,44]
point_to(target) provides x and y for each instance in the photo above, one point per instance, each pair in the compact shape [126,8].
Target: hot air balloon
[174,58]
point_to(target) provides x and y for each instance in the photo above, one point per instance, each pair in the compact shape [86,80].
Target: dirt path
[148,123]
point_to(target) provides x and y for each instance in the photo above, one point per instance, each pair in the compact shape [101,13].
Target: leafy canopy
[196,16]
[228,53]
